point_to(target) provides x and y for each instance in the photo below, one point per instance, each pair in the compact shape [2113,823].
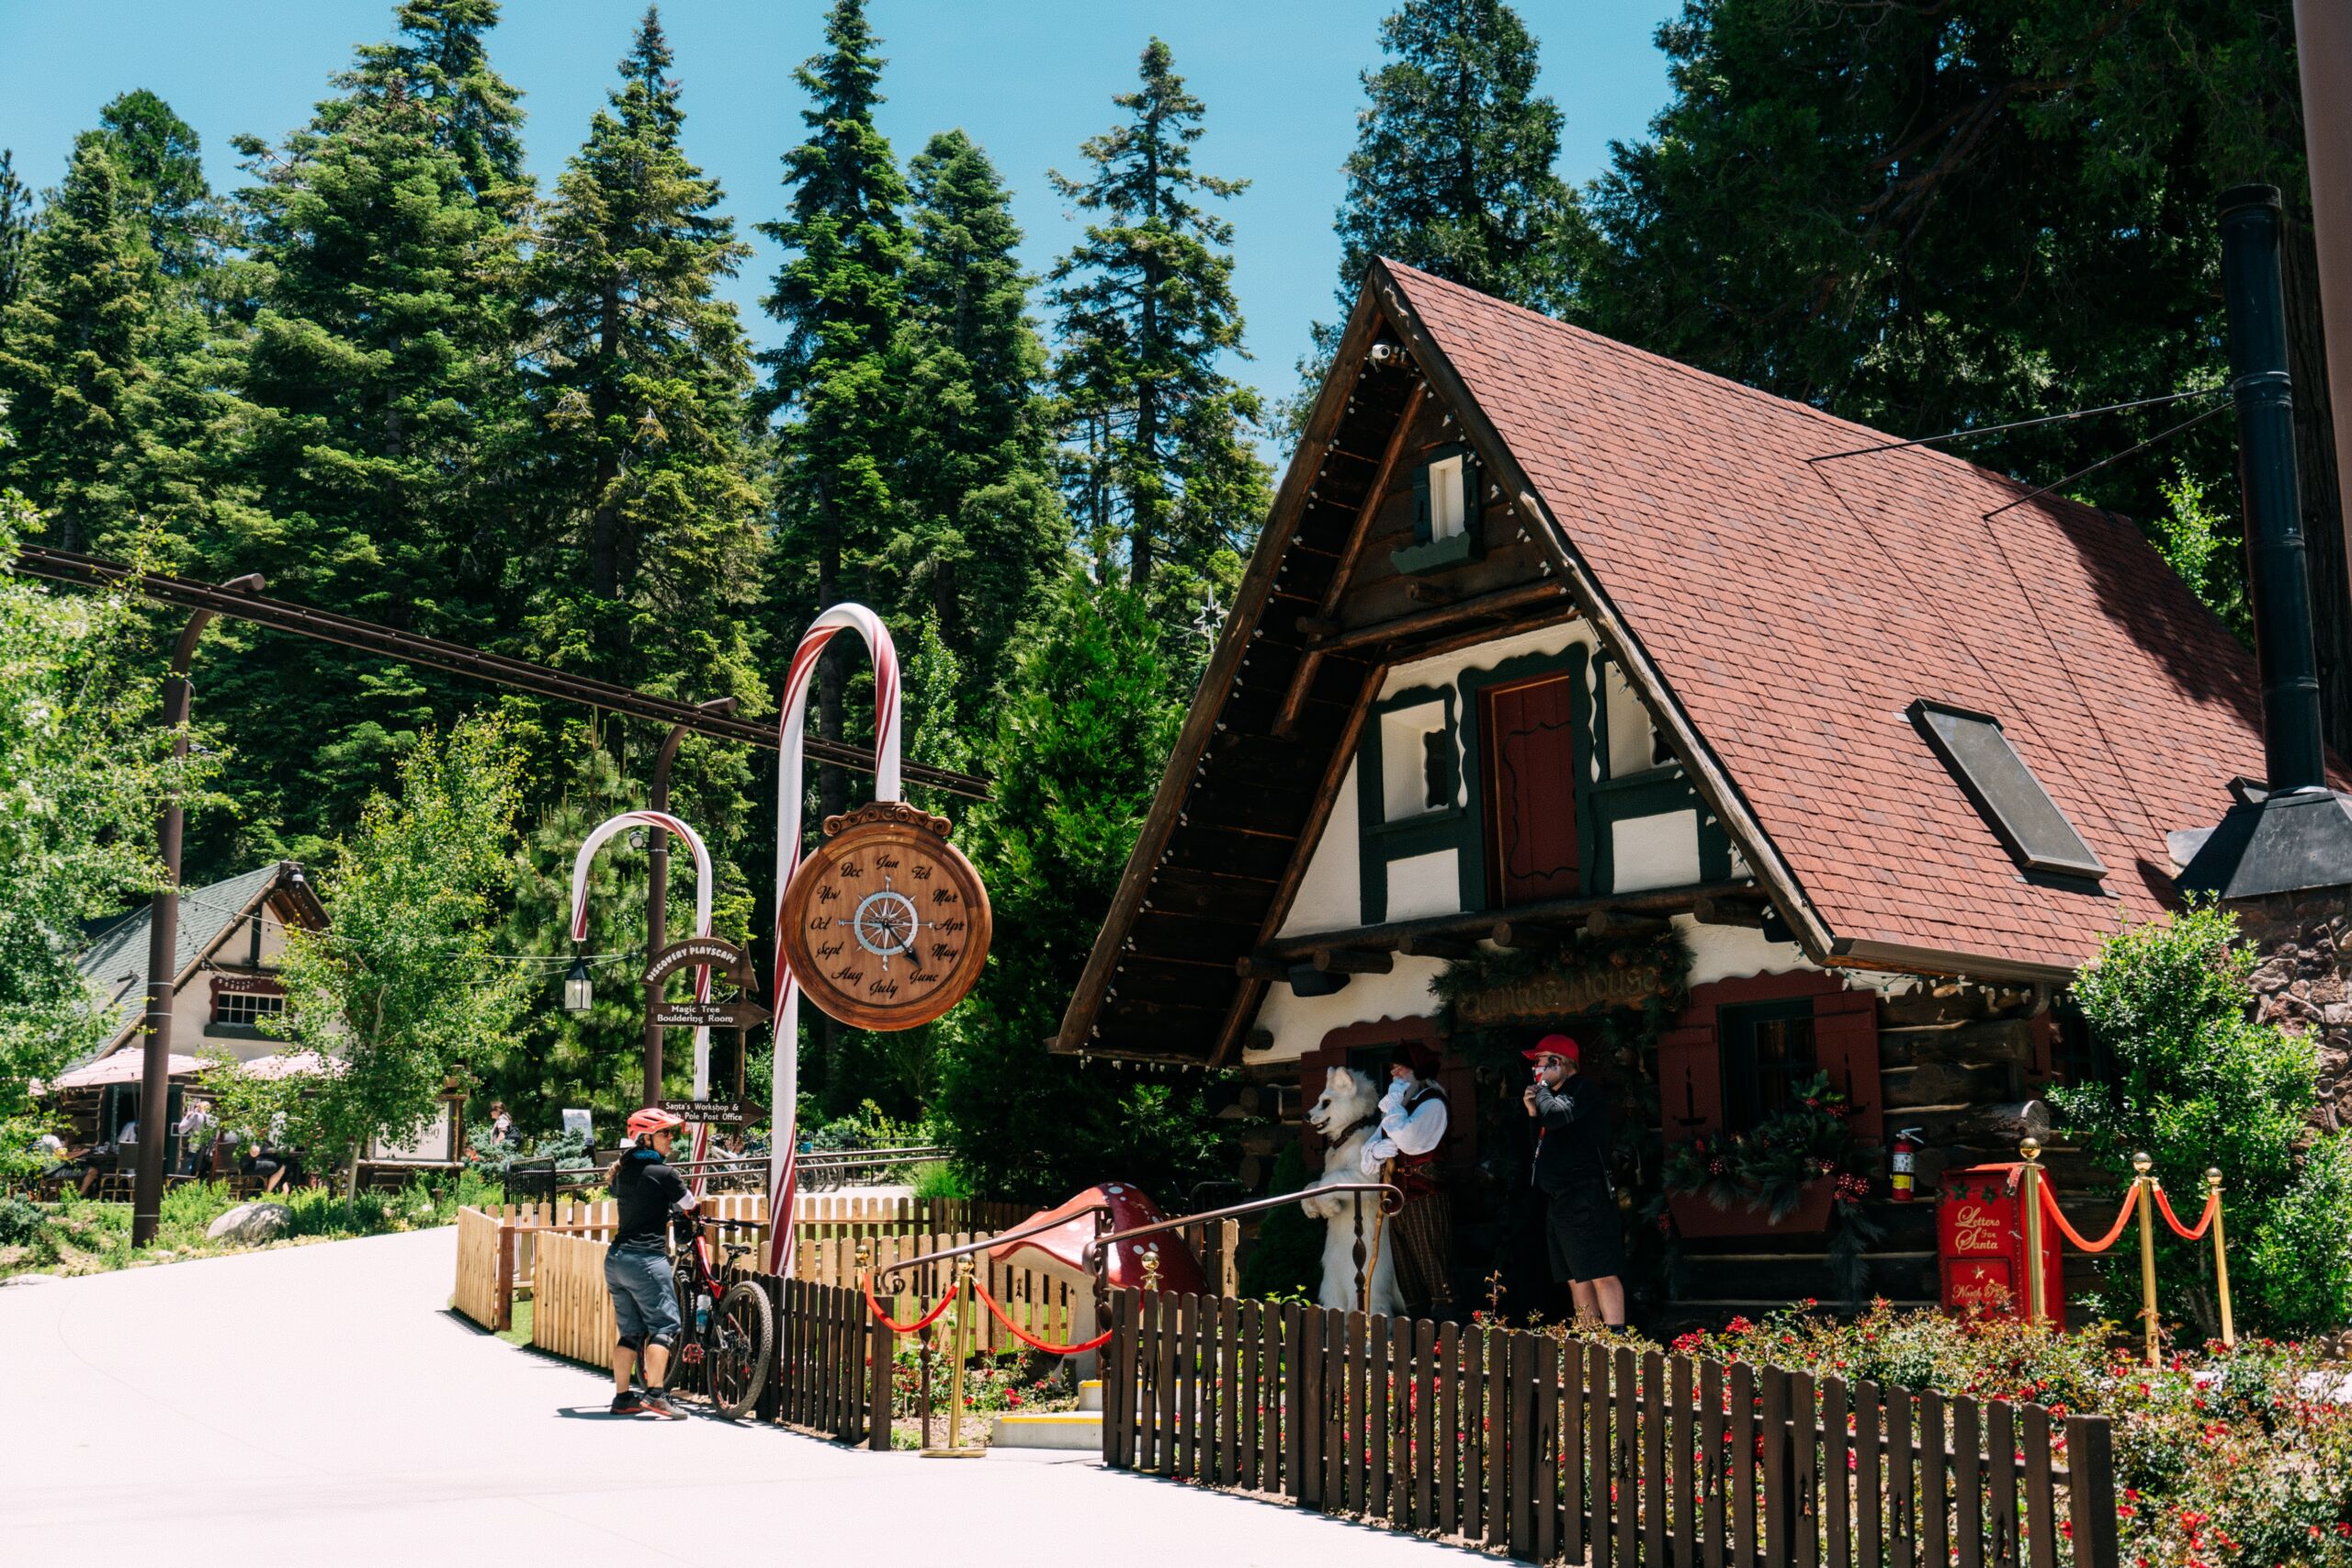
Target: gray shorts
[645,1301]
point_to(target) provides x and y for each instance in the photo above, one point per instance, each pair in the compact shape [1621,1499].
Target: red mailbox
[1980,1244]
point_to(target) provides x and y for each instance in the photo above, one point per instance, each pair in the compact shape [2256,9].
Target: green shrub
[1286,1260]
[2197,1083]
[938,1178]
[2301,1251]
[21,1222]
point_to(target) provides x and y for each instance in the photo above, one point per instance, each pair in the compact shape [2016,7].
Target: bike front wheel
[742,1349]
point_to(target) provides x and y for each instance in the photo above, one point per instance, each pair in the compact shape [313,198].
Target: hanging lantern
[578,991]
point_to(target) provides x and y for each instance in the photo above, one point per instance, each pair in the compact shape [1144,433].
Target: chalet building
[225,988]
[1571,688]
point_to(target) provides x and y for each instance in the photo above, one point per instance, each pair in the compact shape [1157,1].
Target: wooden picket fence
[1552,1450]
[571,1312]
[832,1364]
[499,1244]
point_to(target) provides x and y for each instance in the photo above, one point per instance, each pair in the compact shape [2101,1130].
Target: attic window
[2012,801]
[1446,507]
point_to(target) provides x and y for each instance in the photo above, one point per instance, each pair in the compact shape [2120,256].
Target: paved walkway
[317,1404]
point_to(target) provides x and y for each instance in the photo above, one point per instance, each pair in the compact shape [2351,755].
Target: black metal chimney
[2297,835]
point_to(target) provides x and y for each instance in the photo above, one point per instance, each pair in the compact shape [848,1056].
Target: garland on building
[1648,975]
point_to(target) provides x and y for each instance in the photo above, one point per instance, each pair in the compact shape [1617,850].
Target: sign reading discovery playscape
[885,926]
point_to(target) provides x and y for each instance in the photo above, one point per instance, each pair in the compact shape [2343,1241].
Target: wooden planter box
[1697,1218]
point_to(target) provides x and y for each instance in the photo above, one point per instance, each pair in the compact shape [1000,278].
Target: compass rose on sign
[885,923]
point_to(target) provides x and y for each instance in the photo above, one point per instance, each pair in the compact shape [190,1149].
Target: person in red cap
[1586,1236]
[1412,1125]
[637,1265]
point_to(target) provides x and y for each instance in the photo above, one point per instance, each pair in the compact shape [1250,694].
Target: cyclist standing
[637,1266]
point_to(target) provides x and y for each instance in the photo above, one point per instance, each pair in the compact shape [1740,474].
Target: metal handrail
[1255,1205]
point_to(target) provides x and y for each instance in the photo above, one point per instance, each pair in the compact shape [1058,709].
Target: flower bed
[2223,1458]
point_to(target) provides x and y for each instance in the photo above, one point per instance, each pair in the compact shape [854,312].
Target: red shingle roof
[1796,609]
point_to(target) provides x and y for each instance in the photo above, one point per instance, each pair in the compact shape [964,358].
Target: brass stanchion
[2140,1162]
[962,1342]
[2220,1260]
[2036,1287]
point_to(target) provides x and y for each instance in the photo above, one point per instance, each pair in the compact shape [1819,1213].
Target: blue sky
[1029,79]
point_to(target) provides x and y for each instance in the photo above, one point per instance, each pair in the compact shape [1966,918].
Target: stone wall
[2304,982]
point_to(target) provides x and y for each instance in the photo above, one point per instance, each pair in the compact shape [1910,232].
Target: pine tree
[983,524]
[1453,170]
[161,163]
[76,350]
[15,226]
[639,374]
[1161,462]
[839,296]
[380,377]
[1081,736]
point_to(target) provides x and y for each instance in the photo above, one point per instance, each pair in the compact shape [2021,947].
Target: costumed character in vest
[1412,1125]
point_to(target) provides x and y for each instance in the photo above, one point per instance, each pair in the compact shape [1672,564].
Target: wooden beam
[1286,715]
[1617,923]
[1421,591]
[1218,682]
[1351,961]
[1729,912]
[1471,925]
[1252,967]
[1335,768]
[1533,936]
[1483,606]
[1452,950]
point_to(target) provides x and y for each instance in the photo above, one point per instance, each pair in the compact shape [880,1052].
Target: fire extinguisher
[1903,1159]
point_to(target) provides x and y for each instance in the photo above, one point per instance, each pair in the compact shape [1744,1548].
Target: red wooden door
[1531,791]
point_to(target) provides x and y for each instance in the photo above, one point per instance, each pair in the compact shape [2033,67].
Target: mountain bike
[729,1338]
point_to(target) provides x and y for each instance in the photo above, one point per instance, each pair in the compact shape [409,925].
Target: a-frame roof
[1781,613]
[115,963]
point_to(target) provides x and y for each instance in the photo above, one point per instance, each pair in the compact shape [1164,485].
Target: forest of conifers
[406,382]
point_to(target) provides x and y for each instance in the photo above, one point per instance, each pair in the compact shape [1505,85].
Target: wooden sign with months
[885,923]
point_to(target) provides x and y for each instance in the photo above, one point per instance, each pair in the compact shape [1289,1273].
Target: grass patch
[77,1235]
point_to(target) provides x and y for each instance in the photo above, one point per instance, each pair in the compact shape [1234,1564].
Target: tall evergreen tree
[1453,170]
[1079,738]
[640,375]
[1934,217]
[983,524]
[840,297]
[1161,464]
[161,163]
[77,357]
[381,374]
[15,226]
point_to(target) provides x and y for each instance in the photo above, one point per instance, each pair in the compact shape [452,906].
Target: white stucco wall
[1299,1023]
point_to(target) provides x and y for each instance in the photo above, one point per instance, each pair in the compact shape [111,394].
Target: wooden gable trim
[1707,773]
[1218,682]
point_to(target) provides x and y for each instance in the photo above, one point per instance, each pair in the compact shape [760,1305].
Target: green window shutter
[1422,504]
[1474,484]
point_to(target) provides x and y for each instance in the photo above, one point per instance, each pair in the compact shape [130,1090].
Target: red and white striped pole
[791,728]
[588,848]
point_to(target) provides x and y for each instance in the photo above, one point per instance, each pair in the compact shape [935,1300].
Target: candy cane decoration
[791,728]
[669,824]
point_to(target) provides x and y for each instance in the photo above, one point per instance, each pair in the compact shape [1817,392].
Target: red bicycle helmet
[653,1119]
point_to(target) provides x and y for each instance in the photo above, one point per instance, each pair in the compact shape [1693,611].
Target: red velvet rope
[2213,1207]
[1031,1340]
[915,1327]
[2050,1207]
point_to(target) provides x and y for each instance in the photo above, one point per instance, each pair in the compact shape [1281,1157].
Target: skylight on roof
[2012,801]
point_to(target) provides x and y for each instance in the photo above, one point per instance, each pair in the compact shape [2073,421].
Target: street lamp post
[162,942]
[657,922]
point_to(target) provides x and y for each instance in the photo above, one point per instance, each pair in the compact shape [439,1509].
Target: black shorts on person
[1585,1232]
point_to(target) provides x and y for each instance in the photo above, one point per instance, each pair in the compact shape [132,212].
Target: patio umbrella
[123,1067]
